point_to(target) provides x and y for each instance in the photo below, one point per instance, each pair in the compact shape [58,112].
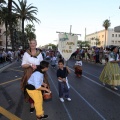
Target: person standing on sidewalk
[31,58]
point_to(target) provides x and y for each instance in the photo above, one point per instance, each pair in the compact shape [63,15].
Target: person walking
[78,67]
[31,58]
[53,61]
[111,72]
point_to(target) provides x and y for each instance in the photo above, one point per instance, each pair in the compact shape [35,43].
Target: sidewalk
[5,65]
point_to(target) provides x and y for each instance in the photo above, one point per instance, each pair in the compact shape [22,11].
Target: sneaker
[68,99]
[61,99]
[31,110]
[42,117]
[115,88]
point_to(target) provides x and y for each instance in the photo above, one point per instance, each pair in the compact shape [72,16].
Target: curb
[3,68]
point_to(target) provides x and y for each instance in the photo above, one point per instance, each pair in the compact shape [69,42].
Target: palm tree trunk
[105,39]
[6,25]
[23,41]
[10,22]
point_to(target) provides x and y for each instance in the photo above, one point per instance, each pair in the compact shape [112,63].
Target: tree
[97,41]
[2,3]
[84,44]
[30,31]
[106,25]
[54,47]
[25,12]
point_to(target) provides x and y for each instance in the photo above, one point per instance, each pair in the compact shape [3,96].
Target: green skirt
[111,74]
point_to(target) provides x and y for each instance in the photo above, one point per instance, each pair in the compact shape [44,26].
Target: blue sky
[58,15]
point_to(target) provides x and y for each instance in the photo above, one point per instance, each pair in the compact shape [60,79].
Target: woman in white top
[31,58]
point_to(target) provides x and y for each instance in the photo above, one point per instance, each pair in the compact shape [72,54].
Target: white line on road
[100,115]
[91,74]
[99,84]
[87,103]
[70,118]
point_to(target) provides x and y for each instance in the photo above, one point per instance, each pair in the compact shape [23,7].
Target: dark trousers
[63,90]
[97,59]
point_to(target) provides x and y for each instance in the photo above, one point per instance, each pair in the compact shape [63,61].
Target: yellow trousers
[36,95]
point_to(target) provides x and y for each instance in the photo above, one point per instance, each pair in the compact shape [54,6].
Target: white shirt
[36,79]
[27,59]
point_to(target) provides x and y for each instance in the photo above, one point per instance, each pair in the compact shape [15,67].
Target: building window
[112,35]
[112,41]
[115,42]
[116,35]
[119,35]
[0,30]
[102,36]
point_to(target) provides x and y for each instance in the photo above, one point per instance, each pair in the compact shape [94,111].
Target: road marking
[99,84]
[10,81]
[87,103]
[16,70]
[70,118]
[91,74]
[8,114]
[98,113]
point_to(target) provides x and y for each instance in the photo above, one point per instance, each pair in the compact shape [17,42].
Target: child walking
[35,86]
[78,67]
[53,61]
[63,85]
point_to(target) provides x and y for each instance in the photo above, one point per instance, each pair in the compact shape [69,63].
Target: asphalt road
[90,99]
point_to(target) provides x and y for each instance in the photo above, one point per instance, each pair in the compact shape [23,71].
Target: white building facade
[112,38]
[3,36]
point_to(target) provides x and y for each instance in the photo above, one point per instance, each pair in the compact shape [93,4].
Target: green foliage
[83,44]
[30,31]
[97,41]
[106,24]
[25,12]
[54,47]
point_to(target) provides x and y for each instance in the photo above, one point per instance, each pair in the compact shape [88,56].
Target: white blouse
[27,59]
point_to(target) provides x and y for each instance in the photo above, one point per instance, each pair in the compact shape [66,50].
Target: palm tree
[30,31]
[2,3]
[106,25]
[25,12]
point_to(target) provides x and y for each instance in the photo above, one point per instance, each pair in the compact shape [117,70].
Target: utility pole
[70,28]
[85,34]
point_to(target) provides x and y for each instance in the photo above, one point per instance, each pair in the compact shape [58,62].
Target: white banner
[67,45]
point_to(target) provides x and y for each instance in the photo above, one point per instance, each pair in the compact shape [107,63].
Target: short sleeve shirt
[62,73]
[36,79]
